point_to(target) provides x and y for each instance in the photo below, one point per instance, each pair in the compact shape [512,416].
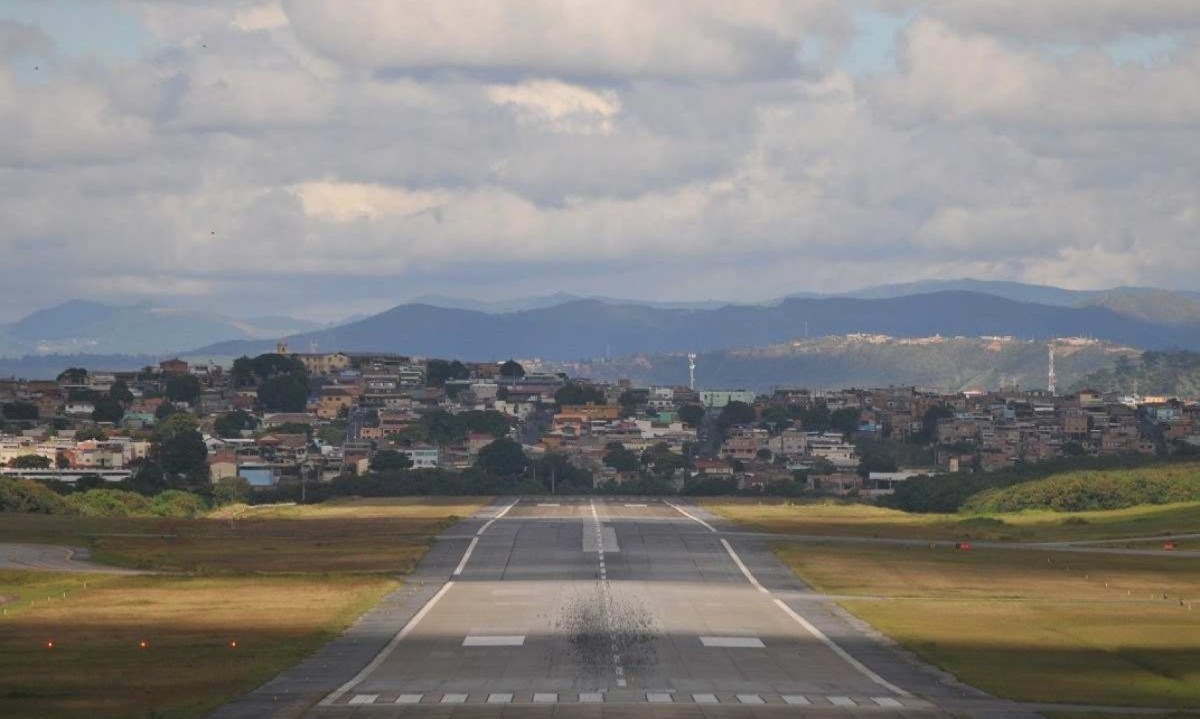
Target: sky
[322,159]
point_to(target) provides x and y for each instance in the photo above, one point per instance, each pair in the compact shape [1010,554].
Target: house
[173,366]
[422,456]
[477,441]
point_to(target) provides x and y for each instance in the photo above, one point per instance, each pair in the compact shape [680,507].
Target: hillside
[591,328]
[78,326]
[1173,374]
[831,362]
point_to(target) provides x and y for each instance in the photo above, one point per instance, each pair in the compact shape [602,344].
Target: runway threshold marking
[733,642]
[808,626]
[407,629]
[382,656]
[690,516]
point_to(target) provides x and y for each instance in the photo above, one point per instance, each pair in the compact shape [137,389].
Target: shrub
[109,503]
[174,503]
[1095,490]
[26,495]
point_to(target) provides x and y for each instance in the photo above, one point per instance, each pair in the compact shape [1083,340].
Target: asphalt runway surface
[607,608]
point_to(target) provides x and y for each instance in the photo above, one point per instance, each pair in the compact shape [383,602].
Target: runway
[600,607]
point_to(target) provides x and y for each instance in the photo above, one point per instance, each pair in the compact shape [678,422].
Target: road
[52,558]
[604,607]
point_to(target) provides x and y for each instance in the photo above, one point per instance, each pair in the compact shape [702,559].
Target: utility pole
[553,478]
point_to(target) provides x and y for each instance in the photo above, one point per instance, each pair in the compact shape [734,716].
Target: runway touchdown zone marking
[508,640]
[733,642]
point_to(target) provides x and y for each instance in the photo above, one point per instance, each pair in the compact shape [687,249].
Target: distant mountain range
[79,326]
[591,328]
[565,326]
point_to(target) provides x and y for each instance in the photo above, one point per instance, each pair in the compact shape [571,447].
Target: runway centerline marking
[808,626]
[690,516]
[603,537]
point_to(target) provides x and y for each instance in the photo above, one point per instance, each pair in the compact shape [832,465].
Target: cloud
[559,106]
[1058,20]
[579,39]
[949,76]
[345,155]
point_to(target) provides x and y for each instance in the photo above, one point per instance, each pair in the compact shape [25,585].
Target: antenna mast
[1052,383]
[692,371]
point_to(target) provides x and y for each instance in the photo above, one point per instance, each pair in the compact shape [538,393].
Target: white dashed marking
[364,698]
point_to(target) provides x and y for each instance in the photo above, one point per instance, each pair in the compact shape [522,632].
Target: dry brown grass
[96,668]
[280,581]
[1052,627]
[829,518]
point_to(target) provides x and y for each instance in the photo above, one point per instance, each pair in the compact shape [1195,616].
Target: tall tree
[512,368]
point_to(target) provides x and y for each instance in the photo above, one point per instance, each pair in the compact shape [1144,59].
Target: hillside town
[309,418]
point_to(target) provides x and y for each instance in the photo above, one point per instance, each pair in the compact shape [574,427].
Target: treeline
[954,492]
[1175,373]
[32,497]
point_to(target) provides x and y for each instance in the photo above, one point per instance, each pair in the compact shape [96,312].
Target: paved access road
[52,558]
[596,608]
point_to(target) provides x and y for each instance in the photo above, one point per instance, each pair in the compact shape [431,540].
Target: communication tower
[691,371]
[1052,379]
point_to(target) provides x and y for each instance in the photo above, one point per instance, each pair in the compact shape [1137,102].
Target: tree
[20,411]
[164,410]
[30,461]
[929,423]
[119,391]
[283,393]
[438,372]
[845,420]
[108,409]
[487,421]
[512,369]
[503,458]
[231,424]
[578,393]
[333,434]
[735,413]
[764,455]
[622,459]
[86,433]
[179,449]
[231,490]
[183,388]
[72,375]
[631,398]
[692,414]
[389,460]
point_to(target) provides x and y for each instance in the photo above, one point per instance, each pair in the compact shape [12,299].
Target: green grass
[279,581]
[1053,627]
[828,517]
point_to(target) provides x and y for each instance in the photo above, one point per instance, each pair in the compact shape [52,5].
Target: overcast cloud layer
[322,158]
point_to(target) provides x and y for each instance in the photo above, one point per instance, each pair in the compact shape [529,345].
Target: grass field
[1056,627]
[280,582]
[826,517]
[353,535]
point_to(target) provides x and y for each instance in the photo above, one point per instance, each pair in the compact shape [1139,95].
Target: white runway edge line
[382,656]
[808,626]
[745,571]
[466,556]
[500,514]
[690,516]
